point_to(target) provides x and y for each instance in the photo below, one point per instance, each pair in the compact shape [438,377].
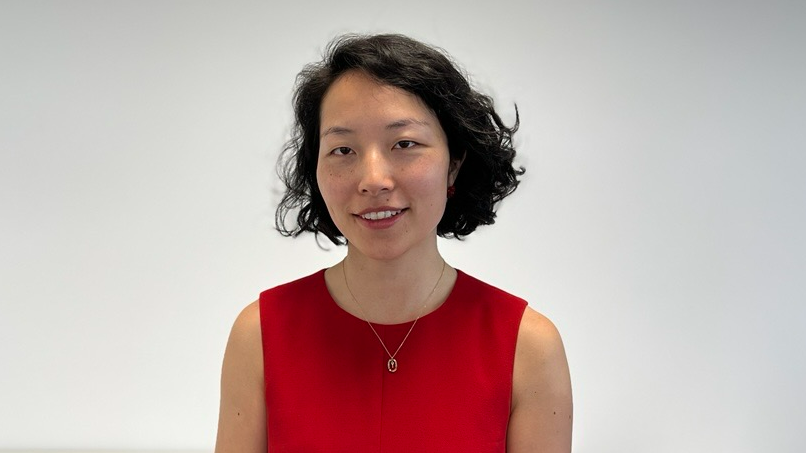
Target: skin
[382,147]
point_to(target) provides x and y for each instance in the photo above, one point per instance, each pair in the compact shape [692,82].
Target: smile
[380,215]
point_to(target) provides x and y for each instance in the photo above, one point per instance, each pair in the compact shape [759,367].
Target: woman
[391,349]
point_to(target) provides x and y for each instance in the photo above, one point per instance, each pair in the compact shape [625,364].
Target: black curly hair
[474,130]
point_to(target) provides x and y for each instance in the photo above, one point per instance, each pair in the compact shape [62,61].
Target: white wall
[660,224]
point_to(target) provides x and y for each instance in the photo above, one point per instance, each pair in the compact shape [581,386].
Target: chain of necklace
[391,365]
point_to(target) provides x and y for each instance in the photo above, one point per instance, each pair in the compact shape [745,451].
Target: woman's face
[383,167]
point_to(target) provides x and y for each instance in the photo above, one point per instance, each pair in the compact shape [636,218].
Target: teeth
[379,215]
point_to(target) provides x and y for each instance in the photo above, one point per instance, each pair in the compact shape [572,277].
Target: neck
[393,291]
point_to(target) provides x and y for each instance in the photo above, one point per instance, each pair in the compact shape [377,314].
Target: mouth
[380,215]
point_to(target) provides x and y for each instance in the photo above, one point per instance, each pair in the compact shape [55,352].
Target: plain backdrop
[660,223]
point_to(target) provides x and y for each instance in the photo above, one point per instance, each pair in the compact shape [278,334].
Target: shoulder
[471,288]
[538,337]
[247,324]
[299,288]
[244,345]
[541,366]
[282,305]
[542,410]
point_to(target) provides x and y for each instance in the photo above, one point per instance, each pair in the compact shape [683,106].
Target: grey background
[660,223]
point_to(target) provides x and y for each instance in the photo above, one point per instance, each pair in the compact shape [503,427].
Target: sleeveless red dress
[328,388]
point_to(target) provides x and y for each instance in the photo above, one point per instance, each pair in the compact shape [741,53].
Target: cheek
[325,183]
[325,177]
[331,186]
[430,184]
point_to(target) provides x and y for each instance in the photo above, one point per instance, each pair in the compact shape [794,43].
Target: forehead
[355,99]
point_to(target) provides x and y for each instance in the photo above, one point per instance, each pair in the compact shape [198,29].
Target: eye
[341,151]
[404,144]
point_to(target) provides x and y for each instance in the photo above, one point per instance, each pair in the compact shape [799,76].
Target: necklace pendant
[391,365]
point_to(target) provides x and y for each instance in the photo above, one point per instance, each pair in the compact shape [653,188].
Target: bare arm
[242,414]
[542,410]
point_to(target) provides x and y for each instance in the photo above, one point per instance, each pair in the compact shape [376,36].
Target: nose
[375,174]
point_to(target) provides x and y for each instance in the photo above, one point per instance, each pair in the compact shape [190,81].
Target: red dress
[328,388]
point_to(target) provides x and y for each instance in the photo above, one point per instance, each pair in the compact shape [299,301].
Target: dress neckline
[331,302]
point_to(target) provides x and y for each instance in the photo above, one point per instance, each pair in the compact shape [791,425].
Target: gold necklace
[391,364]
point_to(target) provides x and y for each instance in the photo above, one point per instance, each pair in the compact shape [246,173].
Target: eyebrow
[399,124]
[337,130]
[406,122]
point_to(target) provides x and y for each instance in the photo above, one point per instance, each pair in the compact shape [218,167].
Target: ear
[453,169]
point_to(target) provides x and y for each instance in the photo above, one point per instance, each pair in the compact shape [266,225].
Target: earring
[451,190]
